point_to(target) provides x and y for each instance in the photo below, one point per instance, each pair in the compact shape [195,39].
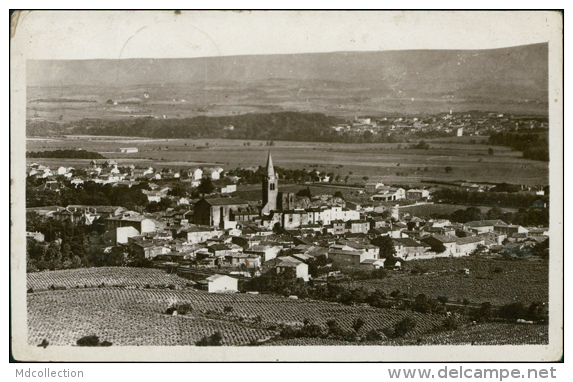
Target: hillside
[513,78]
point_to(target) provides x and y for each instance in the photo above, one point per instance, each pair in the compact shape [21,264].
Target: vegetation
[89,193]
[78,154]
[493,199]
[108,276]
[92,341]
[291,126]
[533,145]
[212,340]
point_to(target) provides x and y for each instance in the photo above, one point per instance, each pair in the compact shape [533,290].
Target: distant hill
[511,75]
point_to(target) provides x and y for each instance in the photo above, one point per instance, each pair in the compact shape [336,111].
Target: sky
[165,34]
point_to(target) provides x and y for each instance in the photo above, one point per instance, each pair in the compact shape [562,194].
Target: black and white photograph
[287,185]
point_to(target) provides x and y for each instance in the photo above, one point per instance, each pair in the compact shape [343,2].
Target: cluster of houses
[109,172]
[233,238]
[456,124]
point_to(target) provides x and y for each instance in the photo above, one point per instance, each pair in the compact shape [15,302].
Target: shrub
[212,340]
[403,327]
[92,341]
[450,323]
[373,335]
[358,323]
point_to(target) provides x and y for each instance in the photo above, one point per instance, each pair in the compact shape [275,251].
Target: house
[222,284]
[130,219]
[509,229]
[283,263]
[348,258]
[195,173]
[439,242]
[482,226]
[417,194]
[339,227]
[294,218]
[120,235]
[356,245]
[214,173]
[147,250]
[238,259]
[38,236]
[357,226]
[372,187]
[386,194]
[225,186]
[218,250]
[372,264]
[466,245]
[409,248]
[266,252]
[198,234]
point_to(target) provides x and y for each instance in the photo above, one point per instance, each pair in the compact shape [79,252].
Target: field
[110,276]
[487,334]
[495,281]
[389,163]
[133,315]
[443,209]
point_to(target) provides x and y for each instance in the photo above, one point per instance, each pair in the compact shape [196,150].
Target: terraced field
[124,312]
[494,281]
[109,276]
[135,316]
[479,335]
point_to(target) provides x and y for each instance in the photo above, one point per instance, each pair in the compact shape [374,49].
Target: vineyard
[136,317]
[109,276]
[486,334]
[494,281]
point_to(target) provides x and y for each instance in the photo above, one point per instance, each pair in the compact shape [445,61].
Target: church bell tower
[270,187]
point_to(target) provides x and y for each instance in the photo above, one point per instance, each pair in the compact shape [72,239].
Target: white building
[222,284]
[128,150]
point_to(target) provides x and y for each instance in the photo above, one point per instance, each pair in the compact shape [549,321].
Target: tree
[449,169]
[480,249]
[386,245]
[304,192]
[490,151]
[358,323]
[338,194]
[421,304]
[403,327]
[365,178]
[206,186]
[485,311]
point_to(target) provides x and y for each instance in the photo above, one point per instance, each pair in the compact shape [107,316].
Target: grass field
[381,162]
[498,282]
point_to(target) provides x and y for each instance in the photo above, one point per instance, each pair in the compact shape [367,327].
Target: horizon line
[284,54]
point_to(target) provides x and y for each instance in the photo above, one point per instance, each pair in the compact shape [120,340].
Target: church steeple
[270,187]
[270,168]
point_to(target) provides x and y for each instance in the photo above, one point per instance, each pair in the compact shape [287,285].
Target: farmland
[486,334]
[135,317]
[386,162]
[495,281]
[109,276]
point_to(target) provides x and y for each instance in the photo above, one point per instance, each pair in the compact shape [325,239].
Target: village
[216,240]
